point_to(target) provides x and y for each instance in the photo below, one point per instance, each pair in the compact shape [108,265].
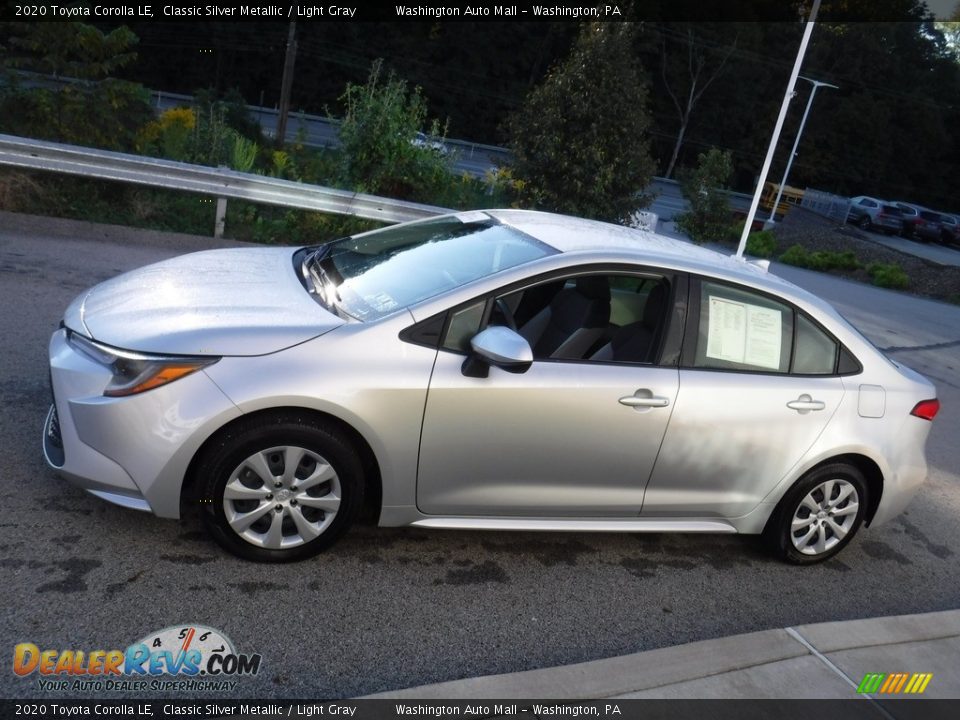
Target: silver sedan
[483,370]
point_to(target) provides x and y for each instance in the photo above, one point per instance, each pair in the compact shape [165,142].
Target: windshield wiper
[324,287]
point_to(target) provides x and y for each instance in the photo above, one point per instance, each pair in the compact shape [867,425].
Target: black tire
[235,446]
[778,530]
[864,222]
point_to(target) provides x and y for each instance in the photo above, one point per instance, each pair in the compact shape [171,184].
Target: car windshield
[378,273]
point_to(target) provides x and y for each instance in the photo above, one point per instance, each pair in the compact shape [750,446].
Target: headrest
[594,287]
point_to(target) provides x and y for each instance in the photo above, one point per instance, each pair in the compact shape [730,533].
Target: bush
[796,255]
[169,135]
[709,216]
[98,110]
[888,276]
[377,154]
[762,244]
[821,260]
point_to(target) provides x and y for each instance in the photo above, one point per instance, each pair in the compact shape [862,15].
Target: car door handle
[644,402]
[805,404]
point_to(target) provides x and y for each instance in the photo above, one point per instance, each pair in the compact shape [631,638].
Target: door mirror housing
[499,346]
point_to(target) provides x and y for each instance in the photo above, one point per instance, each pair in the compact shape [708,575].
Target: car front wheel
[279,489]
[819,515]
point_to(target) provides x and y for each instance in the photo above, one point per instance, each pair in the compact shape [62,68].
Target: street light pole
[286,83]
[817,84]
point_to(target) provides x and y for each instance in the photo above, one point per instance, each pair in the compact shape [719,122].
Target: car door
[755,393]
[573,436]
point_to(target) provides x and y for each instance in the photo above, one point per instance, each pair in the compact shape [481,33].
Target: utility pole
[286,83]
[817,84]
[807,31]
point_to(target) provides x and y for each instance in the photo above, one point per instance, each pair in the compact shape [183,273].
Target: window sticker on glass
[744,333]
[381,302]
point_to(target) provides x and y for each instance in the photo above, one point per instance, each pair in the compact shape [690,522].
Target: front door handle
[805,404]
[644,399]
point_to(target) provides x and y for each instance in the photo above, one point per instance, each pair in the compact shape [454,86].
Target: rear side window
[743,330]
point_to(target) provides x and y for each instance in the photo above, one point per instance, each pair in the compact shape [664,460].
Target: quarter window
[816,352]
[464,324]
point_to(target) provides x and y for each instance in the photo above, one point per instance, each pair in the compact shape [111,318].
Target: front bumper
[133,451]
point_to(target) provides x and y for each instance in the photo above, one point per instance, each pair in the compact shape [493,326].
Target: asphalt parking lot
[392,608]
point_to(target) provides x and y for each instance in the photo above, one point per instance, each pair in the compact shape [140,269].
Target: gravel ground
[814,233]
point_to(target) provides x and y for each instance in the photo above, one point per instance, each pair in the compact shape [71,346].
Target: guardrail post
[221,218]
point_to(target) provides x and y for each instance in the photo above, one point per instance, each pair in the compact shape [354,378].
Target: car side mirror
[500,346]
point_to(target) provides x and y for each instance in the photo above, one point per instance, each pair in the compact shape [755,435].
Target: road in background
[393,608]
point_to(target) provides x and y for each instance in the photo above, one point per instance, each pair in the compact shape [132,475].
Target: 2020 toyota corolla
[484,370]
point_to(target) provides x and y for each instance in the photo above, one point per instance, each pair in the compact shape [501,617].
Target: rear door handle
[805,404]
[644,401]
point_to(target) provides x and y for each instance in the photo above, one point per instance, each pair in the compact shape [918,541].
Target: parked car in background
[950,229]
[930,230]
[911,218]
[872,214]
[494,370]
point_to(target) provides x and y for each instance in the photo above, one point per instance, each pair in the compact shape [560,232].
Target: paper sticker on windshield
[744,333]
[472,217]
[381,302]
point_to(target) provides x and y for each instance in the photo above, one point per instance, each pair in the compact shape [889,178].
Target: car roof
[578,235]
[570,234]
[593,242]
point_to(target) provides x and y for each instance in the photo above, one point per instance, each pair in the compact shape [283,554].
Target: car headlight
[136,372]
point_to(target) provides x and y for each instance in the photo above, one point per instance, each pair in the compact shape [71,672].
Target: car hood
[244,301]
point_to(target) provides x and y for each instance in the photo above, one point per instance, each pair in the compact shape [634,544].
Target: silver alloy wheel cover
[824,517]
[282,496]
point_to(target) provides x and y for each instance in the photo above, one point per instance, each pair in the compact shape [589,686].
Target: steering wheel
[504,309]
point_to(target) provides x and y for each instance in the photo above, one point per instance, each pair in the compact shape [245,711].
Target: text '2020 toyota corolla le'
[485,370]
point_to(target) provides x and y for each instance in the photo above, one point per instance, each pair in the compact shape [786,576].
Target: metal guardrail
[221,183]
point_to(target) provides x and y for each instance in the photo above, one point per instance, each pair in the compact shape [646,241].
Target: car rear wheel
[819,515]
[280,489]
[864,222]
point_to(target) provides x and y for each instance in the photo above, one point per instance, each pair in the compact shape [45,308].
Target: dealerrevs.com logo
[185,657]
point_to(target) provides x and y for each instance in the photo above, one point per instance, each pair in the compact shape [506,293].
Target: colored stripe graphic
[894,683]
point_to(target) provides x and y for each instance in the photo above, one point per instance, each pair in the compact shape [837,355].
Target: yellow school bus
[791,197]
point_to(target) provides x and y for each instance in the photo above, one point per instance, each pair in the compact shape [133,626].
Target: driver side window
[596,317]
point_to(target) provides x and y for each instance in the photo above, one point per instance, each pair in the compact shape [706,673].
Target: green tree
[580,141]
[85,105]
[377,150]
[709,216]
[690,62]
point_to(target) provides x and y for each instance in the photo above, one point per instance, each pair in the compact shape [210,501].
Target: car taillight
[926,409]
